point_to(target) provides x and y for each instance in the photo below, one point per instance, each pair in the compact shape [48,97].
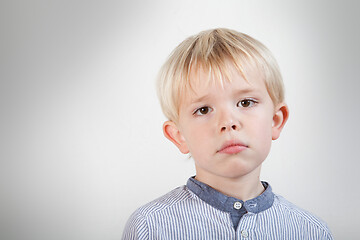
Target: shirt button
[237,205]
[244,234]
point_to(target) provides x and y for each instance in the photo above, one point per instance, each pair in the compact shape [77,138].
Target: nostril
[225,128]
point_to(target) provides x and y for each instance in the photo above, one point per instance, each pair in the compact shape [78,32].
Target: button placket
[237,205]
[244,234]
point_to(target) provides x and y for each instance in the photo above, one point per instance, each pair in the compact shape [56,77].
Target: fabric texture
[236,207]
[184,213]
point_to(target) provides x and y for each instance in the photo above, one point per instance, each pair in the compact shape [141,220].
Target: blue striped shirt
[196,211]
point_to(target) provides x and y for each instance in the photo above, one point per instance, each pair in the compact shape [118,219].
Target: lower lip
[233,149]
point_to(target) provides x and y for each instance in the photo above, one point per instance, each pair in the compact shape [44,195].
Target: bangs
[215,53]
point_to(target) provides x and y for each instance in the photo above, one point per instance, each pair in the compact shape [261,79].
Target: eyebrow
[239,92]
[246,91]
[200,99]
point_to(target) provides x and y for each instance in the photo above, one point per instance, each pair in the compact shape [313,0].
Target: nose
[228,122]
[228,127]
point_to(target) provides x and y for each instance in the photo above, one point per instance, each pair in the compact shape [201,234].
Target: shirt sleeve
[136,228]
[322,233]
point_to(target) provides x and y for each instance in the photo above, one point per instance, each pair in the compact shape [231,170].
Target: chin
[240,170]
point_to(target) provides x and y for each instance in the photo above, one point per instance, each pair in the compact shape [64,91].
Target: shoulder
[303,219]
[165,202]
[138,224]
[289,208]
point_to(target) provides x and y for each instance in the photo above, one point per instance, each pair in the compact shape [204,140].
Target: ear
[279,119]
[172,132]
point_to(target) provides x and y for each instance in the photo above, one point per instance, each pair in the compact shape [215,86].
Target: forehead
[203,82]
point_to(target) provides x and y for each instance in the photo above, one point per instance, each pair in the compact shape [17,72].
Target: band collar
[228,204]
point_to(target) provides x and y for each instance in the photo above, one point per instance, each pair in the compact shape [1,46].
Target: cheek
[262,130]
[196,137]
[261,138]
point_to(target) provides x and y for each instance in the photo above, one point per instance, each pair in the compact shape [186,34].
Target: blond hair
[211,50]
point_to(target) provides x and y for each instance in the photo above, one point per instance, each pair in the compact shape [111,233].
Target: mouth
[232,147]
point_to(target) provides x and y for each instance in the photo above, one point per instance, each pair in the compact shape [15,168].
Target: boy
[223,95]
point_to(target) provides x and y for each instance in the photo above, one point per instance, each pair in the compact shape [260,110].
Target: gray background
[80,128]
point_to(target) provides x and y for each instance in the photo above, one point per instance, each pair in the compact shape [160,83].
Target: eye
[202,111]
[247,103]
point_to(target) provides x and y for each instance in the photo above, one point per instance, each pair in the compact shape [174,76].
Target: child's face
[228,130]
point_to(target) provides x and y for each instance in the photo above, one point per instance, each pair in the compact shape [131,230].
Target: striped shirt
[197,211]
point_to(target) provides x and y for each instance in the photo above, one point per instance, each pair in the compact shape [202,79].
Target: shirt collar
[228,204]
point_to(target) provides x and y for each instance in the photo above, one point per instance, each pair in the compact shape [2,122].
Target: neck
[243,187]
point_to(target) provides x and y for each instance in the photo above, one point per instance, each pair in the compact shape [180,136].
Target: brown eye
[246,103]
[202,111]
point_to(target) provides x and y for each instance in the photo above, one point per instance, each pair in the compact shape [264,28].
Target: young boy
[222,92]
